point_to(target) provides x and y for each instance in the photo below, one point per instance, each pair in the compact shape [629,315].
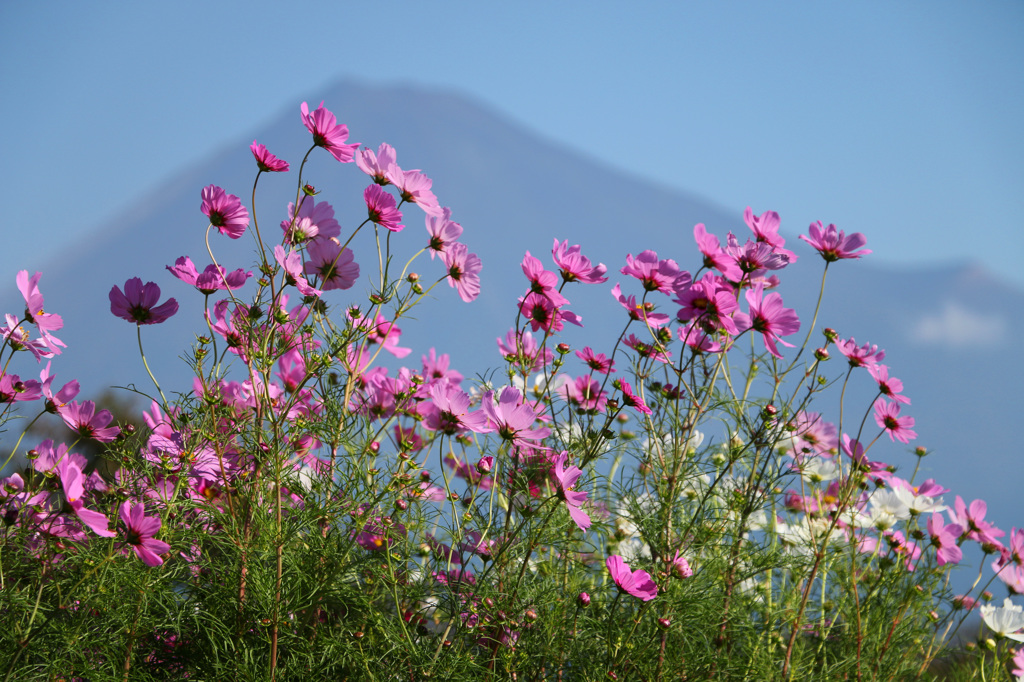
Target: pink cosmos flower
[680,567]
[766,228]
[944,537]
[637,583]
[267,162]
[575,266]
[698,339]
[565,479]
[861,356]
[328,133]
[450,412]
[72,479]
[62,397]
[83,419]
[376,165]
[13,389]
[225,211]
[585,393]
[597,362]
[710,302]
[646,349]
[542,281]
[769,318]
[833,245]
[715,256]
[138,303]
[522,349]
[512,418]
[314,219]
[291,262]
[656,275]
[887,416]
[213,278]
[630,399]
[637,311]
[336,267]
[890,387]
[20,339]
[34,314]
[140,531]
[972,520]
[443,232]
[544,314]
[381,208]
[436,369]
[463,271]
[414,188]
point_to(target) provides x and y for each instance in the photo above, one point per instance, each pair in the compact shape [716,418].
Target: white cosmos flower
[1005,620]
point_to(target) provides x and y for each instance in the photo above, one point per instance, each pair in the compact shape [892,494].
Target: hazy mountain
[947,330]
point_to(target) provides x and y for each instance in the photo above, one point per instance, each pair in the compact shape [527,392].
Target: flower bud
[413,277]
[830,334]
[920,451]
[485,465]
[530,615]
[583,600]
[309,190]
[401,505]
[563,348]
[664,623]
[821,354]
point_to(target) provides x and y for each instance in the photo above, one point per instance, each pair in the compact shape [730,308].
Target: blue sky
[898,120]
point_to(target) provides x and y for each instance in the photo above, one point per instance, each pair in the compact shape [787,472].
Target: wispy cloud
[957,326]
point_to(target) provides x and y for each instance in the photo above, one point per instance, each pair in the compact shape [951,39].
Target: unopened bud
[563,348]
[583,600]
[920,451]
[664,623]
[830,334]
[821,354]
[413,277]
[485,465]
[770,410]
[401,505]
[309,190]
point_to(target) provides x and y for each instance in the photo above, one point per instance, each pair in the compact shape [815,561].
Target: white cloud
[957,326]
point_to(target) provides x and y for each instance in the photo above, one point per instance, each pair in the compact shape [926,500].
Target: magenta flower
[62,397]
[381,208]
[463,271]
[544,314]
[139,532]
[291,262]
[83,419]
[715,256]
[598,362]
[328,133]
[314,219]
[267,162]
[944,537]
[14,390]
[443,232]
[887,416]
[766,228]
[543,282]
[656,275]
[376,165]
[213,278]
[972,520]
[565,479]
[138,303]
[638,311]
[575,266]
[512,418]
[225,211]
[835,245]
[769,318]
[449,411]
[861,356]
[20,339]
[637,583]
[522,349]
[888,386]
[336,267]
[71,479]
[680,567]
[630,399]
[44,322]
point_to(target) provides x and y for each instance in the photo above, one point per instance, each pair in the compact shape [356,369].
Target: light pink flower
[314,219]
[887,416]
[83,419]
[463,271]
[45,322]
[213,278]
[769,318]
[376,165]
[833,245]
[414,188]
[443,232]
[575,266]
[291,262]
[656,275]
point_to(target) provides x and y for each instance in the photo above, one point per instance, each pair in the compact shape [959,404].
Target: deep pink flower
[62,397]
[585,393]
[542,281]
[754,257]
[890,387]
[463,271]
[575,266]
[83,419]
[314,219]
[138,303]
[140,531]
[861,356]
[336,267]
[72,479]
[565,479]
[450,413]
[328,133]
[213,278]
[291,262]
[656,275]
[715,256]
[267,162]
[698,339]
[597,362]
[19,338]
[436,369]
[45,322]
[544,314]
[225,211]
[710,302]
[376,165]
[769,318]
[385,332]
[414,187]
[887,416]
[766,228]
[14,390]
[835,245]
[637,583]
[646,349]
[637,311]
[443,232]
[630,399]
[381,208]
